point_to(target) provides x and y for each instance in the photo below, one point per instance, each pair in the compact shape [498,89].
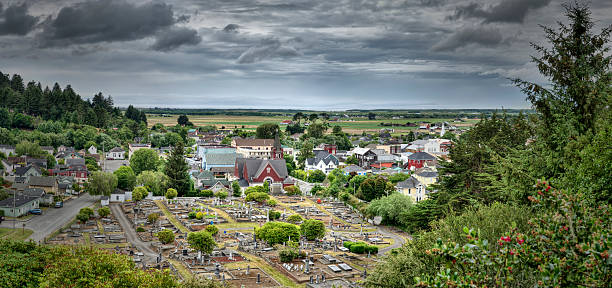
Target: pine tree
[177,170]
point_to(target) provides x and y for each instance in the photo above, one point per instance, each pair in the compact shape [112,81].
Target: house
[412,187]
[322,161]
[348,170]
[286,122]
[8,150]
[75,168]
[330,148]
[416,146]
[104,201]
[257,171]
[365,156]
[437,146]
[28,171]
[219,160]
[419,159]
[426,176]
[48,149]
[92,150]
[19,205]
[64,184]
[133,147]
[206,180]
[259,148]
[49,184]
[384,160]
[116,153]
[204,148]
[33,192]
[120,196]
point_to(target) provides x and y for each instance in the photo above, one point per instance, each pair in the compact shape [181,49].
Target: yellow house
[426,176]
[413,188]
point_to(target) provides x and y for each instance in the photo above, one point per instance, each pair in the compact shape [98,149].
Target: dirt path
[130,233]
[397,240]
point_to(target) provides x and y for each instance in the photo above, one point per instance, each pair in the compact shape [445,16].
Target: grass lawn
[271,271]
[237,225]
[171,217]
[182,270]
[15,234]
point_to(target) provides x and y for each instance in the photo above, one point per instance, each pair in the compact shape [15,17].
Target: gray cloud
[513,11]
[16,21]
[173,38]
[106,21]
[471,35]
[267,48]
[231,28]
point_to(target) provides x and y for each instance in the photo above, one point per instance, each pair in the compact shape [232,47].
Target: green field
[15,234]
[350,125]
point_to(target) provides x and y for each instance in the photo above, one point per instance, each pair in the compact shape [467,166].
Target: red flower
[547,188]
[540,193]
[509,268]
[520,241]
[454,261]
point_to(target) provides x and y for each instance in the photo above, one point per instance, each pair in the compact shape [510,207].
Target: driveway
[130,233]
[397,240]
[53,218]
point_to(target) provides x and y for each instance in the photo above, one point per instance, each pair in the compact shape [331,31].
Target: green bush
[287,254]
[294,219]
[278,232]
[312,229]
[206,193]
[199,215]
[165,236]
[140,229]
[358,248]
[221,194]
[293,190]
[257,197]
[192,215]
[212,229]
[272,202]
[273,215]
[87,211]
[104,211]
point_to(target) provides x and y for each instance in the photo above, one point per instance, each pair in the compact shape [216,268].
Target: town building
[116,153]
[420,159]
[323,161]
[253,171]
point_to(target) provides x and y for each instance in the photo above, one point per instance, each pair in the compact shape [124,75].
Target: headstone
[258,278]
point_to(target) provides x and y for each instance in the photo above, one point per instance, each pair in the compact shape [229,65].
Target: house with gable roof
[252,171]
[323,161]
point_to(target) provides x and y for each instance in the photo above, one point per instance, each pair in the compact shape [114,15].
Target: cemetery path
[130,233]
[397,240]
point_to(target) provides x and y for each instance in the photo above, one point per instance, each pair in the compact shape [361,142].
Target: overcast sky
[312,54]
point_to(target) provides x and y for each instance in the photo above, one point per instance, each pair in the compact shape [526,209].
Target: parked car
[36,211]
[59,204]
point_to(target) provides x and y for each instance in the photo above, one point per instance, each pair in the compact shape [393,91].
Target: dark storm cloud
[173,38]
[106,21]
[16,21]
[471,35]
[231,28]
[267,48]
[505,11]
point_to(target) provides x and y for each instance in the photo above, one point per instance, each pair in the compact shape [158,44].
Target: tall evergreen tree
[177,170]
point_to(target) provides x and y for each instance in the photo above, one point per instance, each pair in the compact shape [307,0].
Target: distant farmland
[349,125]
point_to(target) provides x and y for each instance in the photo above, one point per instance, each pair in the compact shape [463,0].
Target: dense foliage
[312,229]
[278,232]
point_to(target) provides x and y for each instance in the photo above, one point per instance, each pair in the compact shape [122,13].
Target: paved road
[397,240]
[53,218]
[305,187]
[130,233]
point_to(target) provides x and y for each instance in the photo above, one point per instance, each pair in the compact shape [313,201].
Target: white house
[92,150]
[115,154]
[322,161]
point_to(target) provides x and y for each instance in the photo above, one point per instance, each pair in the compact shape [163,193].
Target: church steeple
[277,148]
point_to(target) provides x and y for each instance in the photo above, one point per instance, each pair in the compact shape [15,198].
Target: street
[130,233]
[53,218]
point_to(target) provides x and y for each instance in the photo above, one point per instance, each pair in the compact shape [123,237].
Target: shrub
[171,193]
[192,215]
[278,232]
[87,211]
[152,217]
[358,248]
[272,202]
[312,229]
[258,197]
[253,189]
[295,218]
[212,229]
[139,193]
[287,254]
[273,215]
[206,193]
[293,190]
[199,215]
[82,217]
[140,229]
[221,194]
[104,211]
[165,236]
